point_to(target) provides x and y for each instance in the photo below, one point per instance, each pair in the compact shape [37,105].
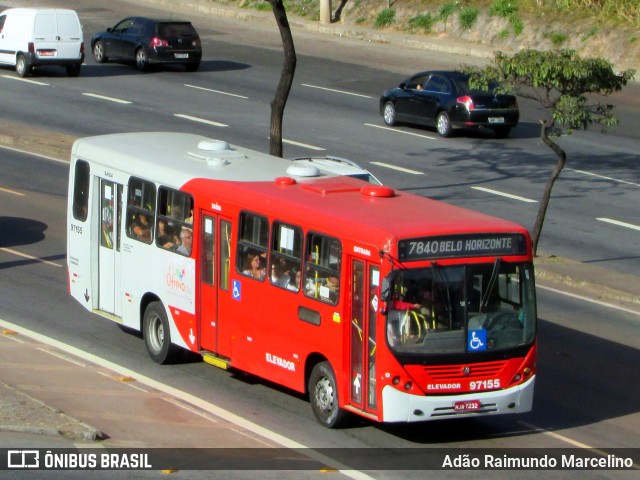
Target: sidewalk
[45,391]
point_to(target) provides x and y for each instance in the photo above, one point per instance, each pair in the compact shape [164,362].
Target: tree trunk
[286,78]
[546,196]
[338,14]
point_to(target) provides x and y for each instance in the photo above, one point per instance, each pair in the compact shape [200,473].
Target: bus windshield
[460,309]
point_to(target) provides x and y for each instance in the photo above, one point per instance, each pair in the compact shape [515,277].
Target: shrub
[503,8]
[385,18]
[468,17]
[423,20]
[557,38]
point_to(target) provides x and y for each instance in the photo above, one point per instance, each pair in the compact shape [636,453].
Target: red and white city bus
[371,300]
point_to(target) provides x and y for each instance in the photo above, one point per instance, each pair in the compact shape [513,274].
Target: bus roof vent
[214,145]
[215,153]
[303,171]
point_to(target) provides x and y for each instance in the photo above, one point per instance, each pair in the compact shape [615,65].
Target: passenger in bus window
[279,276]
[186,237]
[330,288]
[254,267]
[165,237]
[295,275]
[142,228]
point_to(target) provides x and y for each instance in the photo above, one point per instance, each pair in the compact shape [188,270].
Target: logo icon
[23,459]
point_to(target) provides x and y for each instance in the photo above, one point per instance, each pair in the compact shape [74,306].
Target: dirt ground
[585,33]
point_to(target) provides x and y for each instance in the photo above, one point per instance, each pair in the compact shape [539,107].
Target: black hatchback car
[443,99]
[148,41]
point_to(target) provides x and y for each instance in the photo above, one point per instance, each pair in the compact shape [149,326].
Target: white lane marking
[26,152]
[619,223]
[503,194]
[12,192]
[304,145]
[336,91]
[215,91]
[187,397]
[200,120]
[584,172]
[110,99]
[399,131]
[35,82]
[557,436]
[19,254]
[395,167]
[587,299]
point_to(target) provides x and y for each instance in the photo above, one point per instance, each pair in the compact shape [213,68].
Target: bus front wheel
[157,336]
[323,395]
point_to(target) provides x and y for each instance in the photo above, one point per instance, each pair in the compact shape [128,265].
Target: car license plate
[467,406]
[182,55]
[496,119]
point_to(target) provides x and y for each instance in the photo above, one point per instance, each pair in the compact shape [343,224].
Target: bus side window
[322,268]
[81,191]
[286,257]
[175,219]
[141,205]
[252,246]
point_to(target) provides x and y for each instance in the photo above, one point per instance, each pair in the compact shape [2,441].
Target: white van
[34,37]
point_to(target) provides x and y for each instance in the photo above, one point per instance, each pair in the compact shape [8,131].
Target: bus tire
[156,333]
[323,395]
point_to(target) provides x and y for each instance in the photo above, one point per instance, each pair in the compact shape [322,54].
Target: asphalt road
[589,351]
[583,398]
[333,109]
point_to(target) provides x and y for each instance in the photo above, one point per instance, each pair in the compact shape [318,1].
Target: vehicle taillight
[158,42]
[467,101]
[32,48]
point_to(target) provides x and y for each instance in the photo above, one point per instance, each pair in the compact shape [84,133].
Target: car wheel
[443,124]
[22,69]
[502,132]
[192,66]
[323,395]
[98,52]
[389,114]
[157,337]
[142,62]
[73,70]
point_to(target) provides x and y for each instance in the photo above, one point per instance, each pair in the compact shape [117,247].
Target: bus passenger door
[109,263]
[364,307]
[214,260]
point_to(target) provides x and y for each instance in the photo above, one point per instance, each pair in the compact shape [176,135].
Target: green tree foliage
[566,85]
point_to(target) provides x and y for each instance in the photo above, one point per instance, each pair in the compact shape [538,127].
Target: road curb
[36,417]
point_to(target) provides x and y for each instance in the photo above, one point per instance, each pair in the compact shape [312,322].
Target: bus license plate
[467,406]
[496,119]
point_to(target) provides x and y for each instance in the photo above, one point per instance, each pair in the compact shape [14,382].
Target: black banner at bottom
[318,459]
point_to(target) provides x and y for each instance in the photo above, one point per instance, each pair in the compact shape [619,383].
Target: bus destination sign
[467,245]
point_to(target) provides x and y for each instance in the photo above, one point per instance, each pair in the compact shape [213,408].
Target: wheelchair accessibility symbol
[236,292]
[477,340]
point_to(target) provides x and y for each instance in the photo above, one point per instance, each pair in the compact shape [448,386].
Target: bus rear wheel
[157,336]
[323,395]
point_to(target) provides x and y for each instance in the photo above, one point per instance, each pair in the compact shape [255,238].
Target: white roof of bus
[175,158]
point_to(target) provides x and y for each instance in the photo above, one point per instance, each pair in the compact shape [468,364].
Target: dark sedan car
[443,99]
[148,41]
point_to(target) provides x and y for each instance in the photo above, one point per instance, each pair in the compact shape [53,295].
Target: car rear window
[462,86]
[183,29]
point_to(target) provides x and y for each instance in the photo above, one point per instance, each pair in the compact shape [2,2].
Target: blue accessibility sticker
[477,340]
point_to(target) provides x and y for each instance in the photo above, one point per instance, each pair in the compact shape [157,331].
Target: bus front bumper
[403,407]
